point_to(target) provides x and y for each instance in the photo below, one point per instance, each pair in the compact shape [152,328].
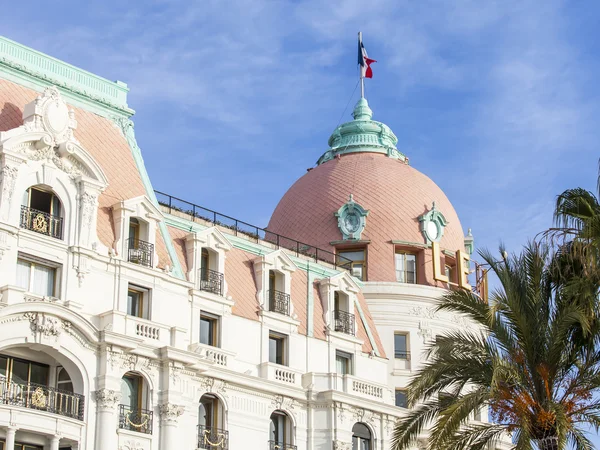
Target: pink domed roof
[395,194]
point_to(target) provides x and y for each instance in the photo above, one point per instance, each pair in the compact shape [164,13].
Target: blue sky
[496,101]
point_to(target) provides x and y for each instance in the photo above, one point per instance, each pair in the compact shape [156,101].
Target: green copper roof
[362,135]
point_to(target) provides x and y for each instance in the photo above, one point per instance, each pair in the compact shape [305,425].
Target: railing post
[170,204]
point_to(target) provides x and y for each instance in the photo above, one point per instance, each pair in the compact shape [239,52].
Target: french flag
[364,61]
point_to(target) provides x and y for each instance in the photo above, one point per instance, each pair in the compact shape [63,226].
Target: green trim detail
[40,70]
[367,329]
[126,127]
[433,223]
[352,220]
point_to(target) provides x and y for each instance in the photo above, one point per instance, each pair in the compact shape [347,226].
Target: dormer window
[355,261]
[41,212]
[343,318]
[139,251]
[406,267]
[279,300]
[211,280]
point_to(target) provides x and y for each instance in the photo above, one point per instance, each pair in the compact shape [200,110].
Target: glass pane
[356,255]
[206,413]
[39,374]
[400,267]
[63,375]
[41,200]
[20,372]
[400,346]
[43,280]
[23,273]
[342,364]
[401,399]
[276,350]
[411,268]
[206,331]
[134,303]
[357,270]
[129,391]
[3,368]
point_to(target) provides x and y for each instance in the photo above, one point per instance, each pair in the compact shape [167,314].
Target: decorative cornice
[51,71]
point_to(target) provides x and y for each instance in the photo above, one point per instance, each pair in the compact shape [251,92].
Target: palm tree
[521,359]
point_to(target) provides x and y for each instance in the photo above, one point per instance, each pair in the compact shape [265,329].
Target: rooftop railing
[239,227]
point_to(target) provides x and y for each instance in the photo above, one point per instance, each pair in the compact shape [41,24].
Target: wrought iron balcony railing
[43,398]
[274,445]
[41,222]
[212,438]
[140,252]
[211,281]
[238,227]
[344,322]
[279,302]
[135,419]
[402,354]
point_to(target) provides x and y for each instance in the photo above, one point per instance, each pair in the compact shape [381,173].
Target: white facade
[127,330]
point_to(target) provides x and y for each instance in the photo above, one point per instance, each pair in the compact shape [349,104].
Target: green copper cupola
[362,135]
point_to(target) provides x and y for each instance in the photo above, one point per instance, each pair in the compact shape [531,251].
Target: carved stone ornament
[9,176]
[424,331]
[106,398]
[50,113]
[339,445]
[432,223]
[170,412]
[283,403]
[88,206]
[45,325]
[352,219]
[131,445]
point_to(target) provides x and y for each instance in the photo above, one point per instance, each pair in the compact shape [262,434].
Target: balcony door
[23,372]
[131,391]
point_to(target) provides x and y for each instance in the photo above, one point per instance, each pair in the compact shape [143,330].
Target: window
[279,300]
[63,380]
[134,414]
[23,372]
[139,251]
[401,400]
[277,348]
[450,273]
[41,212]
[210,280]
[280,433]
[401,346]
[343,319]
[406,267]
[138,302]
[211,432]
[356,265]
[19,446]
[343,363]
[361,437]
[36,277]
[208,329]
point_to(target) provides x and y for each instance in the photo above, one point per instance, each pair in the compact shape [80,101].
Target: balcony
[274,445]
[41,222]
[42,398]
[343,322]
[282,374]
[279,302]
[212,438]
[211,281]
[140,252]
[135,419]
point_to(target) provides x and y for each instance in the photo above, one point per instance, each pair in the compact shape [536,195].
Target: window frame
[406,347]
[363,262]
[214,333]
[349,357]
[9,368]
[33,262]
[144,294]
[406,253]
[400,391]
[282,339]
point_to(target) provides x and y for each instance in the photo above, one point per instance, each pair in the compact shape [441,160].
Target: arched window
[280,431]
[135,415]
[211,424]
[41,211]
[361,437]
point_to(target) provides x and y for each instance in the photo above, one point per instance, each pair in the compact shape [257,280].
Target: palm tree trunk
[548,443]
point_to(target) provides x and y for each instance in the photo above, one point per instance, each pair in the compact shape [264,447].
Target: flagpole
[362,80]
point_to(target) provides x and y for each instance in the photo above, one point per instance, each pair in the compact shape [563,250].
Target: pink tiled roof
[103,140]
[394,193]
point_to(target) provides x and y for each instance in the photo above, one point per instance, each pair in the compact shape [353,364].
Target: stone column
[169,416]
[106,420]
[54,442]
[10,437]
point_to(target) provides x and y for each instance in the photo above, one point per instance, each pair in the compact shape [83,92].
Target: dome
[395,196]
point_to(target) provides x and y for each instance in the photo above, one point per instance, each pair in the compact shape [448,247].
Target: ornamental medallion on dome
[432,223]
[352,219]
[48,112]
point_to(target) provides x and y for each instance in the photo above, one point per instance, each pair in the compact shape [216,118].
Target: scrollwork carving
[170,412]
[107,398]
